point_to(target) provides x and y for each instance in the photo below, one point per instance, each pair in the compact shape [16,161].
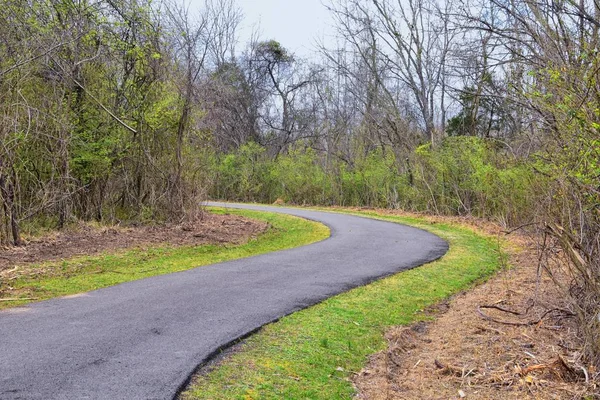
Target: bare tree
[552,49]
[412,39]
[281,83]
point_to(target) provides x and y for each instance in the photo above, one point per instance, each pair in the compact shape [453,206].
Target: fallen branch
[529,323]
[502,309]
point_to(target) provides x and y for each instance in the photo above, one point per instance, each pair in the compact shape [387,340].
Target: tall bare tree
[412,39]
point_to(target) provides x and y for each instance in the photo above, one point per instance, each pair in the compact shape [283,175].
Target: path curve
[143,339]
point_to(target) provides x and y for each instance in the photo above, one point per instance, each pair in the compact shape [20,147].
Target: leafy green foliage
[465,175]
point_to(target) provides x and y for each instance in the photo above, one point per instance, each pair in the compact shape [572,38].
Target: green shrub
[463,176]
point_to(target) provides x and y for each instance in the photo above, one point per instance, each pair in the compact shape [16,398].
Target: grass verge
[311,354]
[82,274]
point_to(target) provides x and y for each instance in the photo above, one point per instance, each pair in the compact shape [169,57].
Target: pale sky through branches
[296,24]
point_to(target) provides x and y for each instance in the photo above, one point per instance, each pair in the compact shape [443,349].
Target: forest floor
[87,240]
[509,338]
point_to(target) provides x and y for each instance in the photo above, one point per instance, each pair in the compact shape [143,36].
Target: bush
[463,176]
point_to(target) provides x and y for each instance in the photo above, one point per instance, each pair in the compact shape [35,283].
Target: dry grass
[91,258]
[510,338]
[87,240]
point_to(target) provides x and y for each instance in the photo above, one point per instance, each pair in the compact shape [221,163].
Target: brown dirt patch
[85,239]
[473,352]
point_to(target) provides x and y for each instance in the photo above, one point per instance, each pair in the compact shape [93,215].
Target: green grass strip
[311,354]
[82,274]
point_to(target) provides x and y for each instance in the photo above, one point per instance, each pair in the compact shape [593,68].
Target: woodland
[135,111]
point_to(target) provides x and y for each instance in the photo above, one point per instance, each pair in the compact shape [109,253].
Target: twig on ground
[451,369]
[502,309]
[9,271]
[519,227]
[529,323]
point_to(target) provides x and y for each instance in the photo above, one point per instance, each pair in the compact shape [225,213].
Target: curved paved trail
[142,339]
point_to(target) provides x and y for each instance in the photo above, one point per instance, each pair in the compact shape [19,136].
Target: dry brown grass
[510,338]
[85,240]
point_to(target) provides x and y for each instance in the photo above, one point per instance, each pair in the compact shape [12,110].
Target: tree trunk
[177,194]
[10,210]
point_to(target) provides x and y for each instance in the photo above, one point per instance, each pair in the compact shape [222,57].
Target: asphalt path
[143,339]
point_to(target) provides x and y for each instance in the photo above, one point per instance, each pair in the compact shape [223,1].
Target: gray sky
[296,24]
